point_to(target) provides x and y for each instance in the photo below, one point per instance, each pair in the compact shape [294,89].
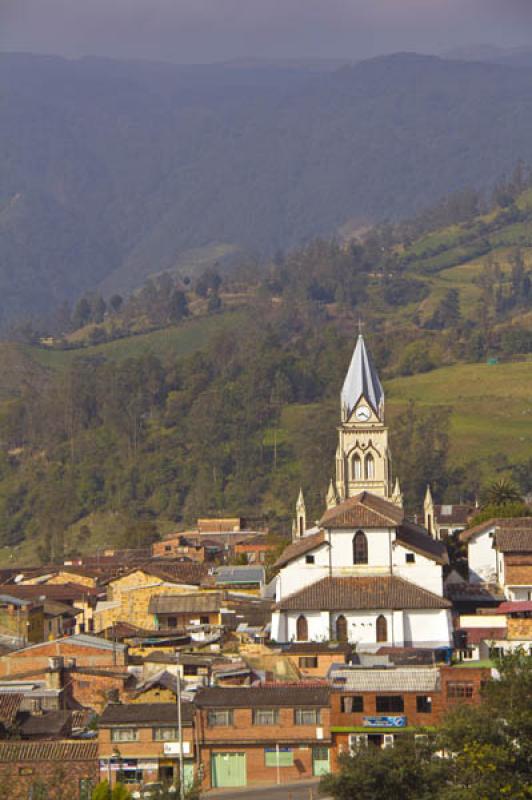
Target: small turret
[301,516]
[428,512]
[397,496]
[332,496]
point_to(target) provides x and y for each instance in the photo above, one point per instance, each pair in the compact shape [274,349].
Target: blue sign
[384,722]
[278,749]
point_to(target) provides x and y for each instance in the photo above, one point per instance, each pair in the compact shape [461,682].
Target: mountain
[113,171]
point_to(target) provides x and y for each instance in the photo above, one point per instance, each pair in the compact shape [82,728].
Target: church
[364,574]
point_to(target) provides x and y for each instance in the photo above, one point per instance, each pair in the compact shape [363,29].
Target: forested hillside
[228,401]
[115,171]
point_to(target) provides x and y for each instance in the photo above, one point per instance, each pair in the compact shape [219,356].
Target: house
[500,551]
[129,595]
[138,743]
[80,598]
[247,579]
[180,611]
[28,766]
[85,650]
[22,621]
[365,574]
[376,705]
[314,659]
[443,521]
[263,735]
[183,548]
[254,550]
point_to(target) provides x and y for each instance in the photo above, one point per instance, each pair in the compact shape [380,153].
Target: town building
[28,766]
[366,574]
[138,743]
[268,734]
[444,520]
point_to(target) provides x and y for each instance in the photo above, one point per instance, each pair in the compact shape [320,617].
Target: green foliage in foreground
[479,753]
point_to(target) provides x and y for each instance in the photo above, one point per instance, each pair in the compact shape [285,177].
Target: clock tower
[363,461]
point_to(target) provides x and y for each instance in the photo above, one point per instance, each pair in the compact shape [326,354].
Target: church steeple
[361,380]
[362,456]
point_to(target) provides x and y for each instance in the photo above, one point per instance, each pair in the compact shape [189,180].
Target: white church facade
[365,574]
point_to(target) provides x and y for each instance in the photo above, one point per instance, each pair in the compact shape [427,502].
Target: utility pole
[180,732]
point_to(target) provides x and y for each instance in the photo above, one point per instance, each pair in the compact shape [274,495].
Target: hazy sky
[212,30]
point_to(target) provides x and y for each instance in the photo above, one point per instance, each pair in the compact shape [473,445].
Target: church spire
[361,380]
[301,517]
[397,495]
[332,496]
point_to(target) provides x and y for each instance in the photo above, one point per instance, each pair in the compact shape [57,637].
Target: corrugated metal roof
[240,575]
[204,603]
[409,679]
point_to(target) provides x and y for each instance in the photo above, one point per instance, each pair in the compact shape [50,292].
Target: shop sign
[384,722]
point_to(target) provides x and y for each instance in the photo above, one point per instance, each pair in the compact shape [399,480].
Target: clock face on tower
[363,413]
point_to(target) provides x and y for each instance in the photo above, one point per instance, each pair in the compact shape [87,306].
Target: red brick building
[59,768]
[263,735]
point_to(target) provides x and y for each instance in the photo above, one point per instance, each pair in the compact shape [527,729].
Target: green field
[491,406]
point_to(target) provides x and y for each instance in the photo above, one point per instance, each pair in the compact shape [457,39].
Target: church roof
[417,539]
[363,510]
[300,547]
[361,380]
[494,524]
[371,592]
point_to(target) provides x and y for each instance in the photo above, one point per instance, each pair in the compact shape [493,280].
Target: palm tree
[502,492]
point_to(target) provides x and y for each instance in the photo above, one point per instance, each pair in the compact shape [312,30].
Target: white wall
[378,548]
[482,558]
[298,574]
[430,628]
[423,572]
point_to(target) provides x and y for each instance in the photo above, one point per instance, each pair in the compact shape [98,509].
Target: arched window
[360,548]
[382,629]
[357,468]
[302,629]
[370,467]
[341,629]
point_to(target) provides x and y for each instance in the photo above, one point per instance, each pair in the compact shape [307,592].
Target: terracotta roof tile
[64,751]
[493,524]
[453,513]
[10,703]
[514,539]
[364,510]
[300,547]
[144,714]
[373,592]
[518,576]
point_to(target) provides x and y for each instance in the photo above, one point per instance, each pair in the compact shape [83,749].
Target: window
[307,716]
[391,703]
[302,629]
[444,533]
[369,467]
[356,468]
[165,734]
[410,558]
[220,719]
[360,548]
[350,705]
[265,716]
[309,559]
[172,622]
[460,691]
[168,548]
[382,629]
[310,662]
[129,775]
[278,757]
[204,620]
[341,628]
[124,734]
[423,704]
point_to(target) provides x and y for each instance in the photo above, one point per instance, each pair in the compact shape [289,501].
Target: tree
[116,301]
[82,313]
[177,306]
[502,492]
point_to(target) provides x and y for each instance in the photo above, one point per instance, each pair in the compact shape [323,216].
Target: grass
[177,340]
[491,407]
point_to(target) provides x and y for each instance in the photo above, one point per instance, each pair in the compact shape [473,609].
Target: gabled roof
[53,724]
[364,510]
[361,380]
[494,523]
[417,539]
[190,573]
[57,751]
[457,514]
[145,714]
[263,696]
[350,594]
[514,539]
[389,679]
[300,547]
[204,603]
